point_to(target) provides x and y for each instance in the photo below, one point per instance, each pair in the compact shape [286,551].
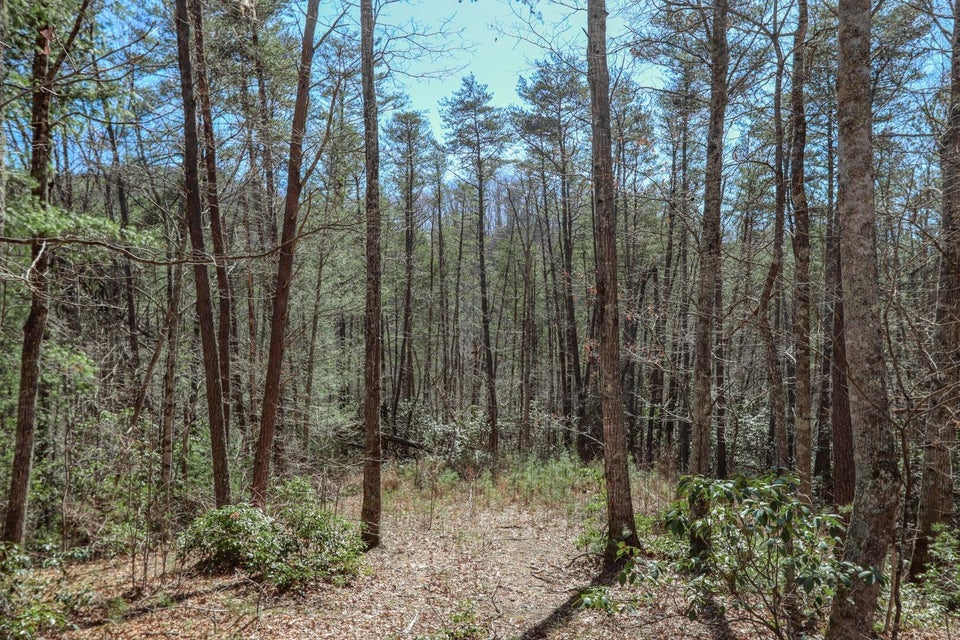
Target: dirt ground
[464,563]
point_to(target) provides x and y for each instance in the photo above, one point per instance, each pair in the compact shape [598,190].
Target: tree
[621,527]
[217,232]
[709,243]
[801,252]
[477,133]
[410,139]
[45,72]
[936,491]
[204,304]
[370,509]
[288,242]
[877,489]
[556,97]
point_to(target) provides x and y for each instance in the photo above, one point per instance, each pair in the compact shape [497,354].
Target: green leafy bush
[33,599]
[300,545]
[233,537]
[770,556]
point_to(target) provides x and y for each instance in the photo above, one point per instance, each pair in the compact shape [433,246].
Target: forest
[668,347]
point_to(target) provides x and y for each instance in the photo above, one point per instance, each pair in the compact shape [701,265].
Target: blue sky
[496,40]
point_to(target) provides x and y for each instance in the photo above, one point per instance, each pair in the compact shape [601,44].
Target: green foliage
[941,580]
[594,536]
[298,546]
[232,537]
[556,481]
[770,556]
[460,443]
[33,596]
[463,625]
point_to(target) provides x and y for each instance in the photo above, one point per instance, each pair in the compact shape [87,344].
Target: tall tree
[410,139]
[709,243]
[477,132]
[204,303]
[621,527]
[877,489]
[801,252]
[44,76]
[217,233]
[371,507]
[936,491]
[288,242]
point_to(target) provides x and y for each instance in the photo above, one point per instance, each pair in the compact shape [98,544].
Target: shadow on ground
[712,616]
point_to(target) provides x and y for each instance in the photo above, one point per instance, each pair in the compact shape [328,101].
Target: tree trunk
[771,286]
[208,339]
[44,73]
[493,442]
[709,245]
[288,243]
[170,386]
[877,489]
[225,304]
[370,509]
[801,252]
[936,491]
[620,520]
[840,420]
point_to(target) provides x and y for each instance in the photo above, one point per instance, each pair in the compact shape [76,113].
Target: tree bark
[620,519]
[877,489]
[170,386]
[288,243]
[208,339]
[801,252]
[371,507]
[225,304]
[771,285]
[709,245]
[936,490]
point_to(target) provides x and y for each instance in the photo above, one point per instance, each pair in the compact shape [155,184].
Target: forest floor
[459,561]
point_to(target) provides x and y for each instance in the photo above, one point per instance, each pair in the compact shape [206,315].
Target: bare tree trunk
[370,509]
[493,442]
[771,285]
[33,329]
[822,465]
[620,520]
[709,245]
[170,386]
[288,243]
[208,339]
[311,357]
[225,304]
[877,489]
[936,491]
[801,252]
[720,375]
[840,424]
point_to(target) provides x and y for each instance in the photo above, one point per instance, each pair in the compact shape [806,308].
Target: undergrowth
[35,597]
[299,544]
[769,556]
